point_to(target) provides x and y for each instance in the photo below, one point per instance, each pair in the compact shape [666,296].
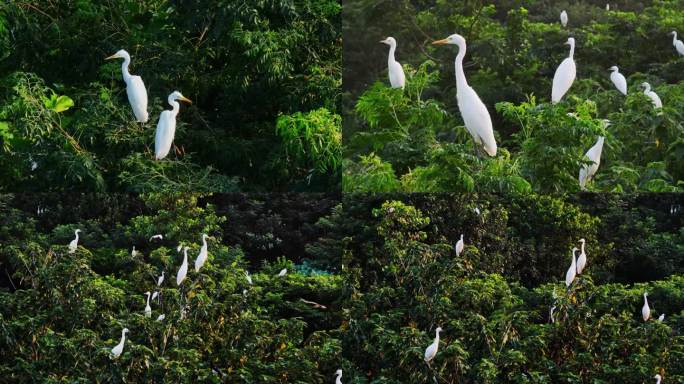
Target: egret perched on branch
[160,279]
[582,259]
[160,237]
[166,127]
[431,350]
[564,18]
[661,317]
[618,79]
[658,378]
[202,257]
[74,243]
[565,74]
[155,294]
[183,270]
[338,379]
[646,310]
[134,253]
[283,272]
[116,351]
[148,309]
[459,246]
[572,271]
[396,72]
[655,99]
[587,171]
[679,46]
[475,115]
[135,88]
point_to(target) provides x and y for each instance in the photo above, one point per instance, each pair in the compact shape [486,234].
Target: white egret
[183,270]
[431,350]
[160,279]
[477,211]
[565,74]
[459,246]
[553,320]
[338,379]
[202,257]
[655,99]
[282,272]
[166,127]
[618,79]
[587,171]
[564,18]
[658,378]
[679,46]
[135,88]
[249,278]
[646,310]
[116,351]
[607,6]
[154,295]
[396,72]
[148,309]
[134,253]
[475,115]
[161,317]
[160,237]
[572,271]
[74,243]
[582,259]
[661,317]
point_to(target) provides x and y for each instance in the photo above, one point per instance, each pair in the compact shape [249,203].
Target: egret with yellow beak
[135,88]
[166,127]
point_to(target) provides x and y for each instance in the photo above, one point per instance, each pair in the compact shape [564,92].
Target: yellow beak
[182,98]
[111,57]
[440,42]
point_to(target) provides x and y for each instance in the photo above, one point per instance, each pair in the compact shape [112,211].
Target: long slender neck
[76,236]
[573,256]
[390,58]
[460,75]
[674,41]
[148,299]
[123,337]
[185,251]
[645,300]
[572,50]
[436,337]
[583,247]
[204,241]
[124,68]
[175,106]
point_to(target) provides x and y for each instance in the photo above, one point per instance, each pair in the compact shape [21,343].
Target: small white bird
[338,379]
[183,270]
[74,243]
[161,317]
[134,253]
[661,317]
[565,74]
[431,350]
[396,72]
[645,310]
[477,210]
[474,112]
[459,246]
[658,378]
[572,271]
[582,259]
[166,127]
[160,237]
[564,18]
[135,88]
[148,309]
[116,351]
[679,46]
[655,99]
[618,79]
[587,171]
[202,257]
[249,278]
[160,279]
[283,272]
[154,295]
[607,6]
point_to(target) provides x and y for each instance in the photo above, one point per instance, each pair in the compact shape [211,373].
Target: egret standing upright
[565,74]
[646,310]
[202,257]
[459,246]
[655,99]
[148,309]
[572,271]
[475,115]
[564,18]
[116,351]
[166,127]
[582,260]
[431,350]
[74,243]
[396,72]
[618,79]
[183,270]
[135,88]
[679,46]
[587,171]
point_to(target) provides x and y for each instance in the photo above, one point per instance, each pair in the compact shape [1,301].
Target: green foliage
[243,65]
[513,51]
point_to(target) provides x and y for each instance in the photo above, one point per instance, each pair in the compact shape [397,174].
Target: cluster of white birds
[137,97]
[474,112]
